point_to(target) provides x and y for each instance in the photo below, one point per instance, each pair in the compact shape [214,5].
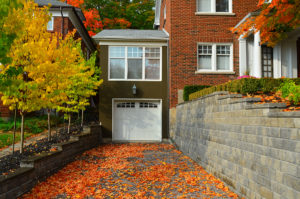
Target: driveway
[132,171]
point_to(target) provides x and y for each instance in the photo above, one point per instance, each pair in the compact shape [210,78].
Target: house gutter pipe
[62,21]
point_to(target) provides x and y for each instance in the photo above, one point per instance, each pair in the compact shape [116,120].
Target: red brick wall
[165,23]
[4,110]
[186,29]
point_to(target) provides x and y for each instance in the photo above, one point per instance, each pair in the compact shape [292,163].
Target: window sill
[216,72]
[215,13]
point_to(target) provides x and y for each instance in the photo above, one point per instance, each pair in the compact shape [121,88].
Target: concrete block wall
[253,148]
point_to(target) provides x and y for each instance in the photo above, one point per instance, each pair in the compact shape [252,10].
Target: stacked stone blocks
[254,148]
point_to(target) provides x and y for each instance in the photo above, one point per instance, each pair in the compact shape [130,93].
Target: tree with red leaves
[275,21]
[115,14]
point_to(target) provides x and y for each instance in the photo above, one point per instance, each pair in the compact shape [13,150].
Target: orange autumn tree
[275,21]
[94,23]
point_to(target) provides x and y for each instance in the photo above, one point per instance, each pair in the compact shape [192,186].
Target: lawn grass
[6,139]
[32,126]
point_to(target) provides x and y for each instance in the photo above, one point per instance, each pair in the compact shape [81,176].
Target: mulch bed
[9,163]
[132,171]
[275,98]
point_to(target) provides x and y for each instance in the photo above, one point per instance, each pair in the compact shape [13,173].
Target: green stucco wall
[123,89]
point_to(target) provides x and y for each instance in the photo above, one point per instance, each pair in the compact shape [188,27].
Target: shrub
[191,89]
[289,89]
[249,86]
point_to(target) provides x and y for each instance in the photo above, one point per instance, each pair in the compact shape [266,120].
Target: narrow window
[152,65]
[205,57]
[222,5]
[50,25]
[267,61]
[135,63]
[223,57]
[117,62]
[204,6]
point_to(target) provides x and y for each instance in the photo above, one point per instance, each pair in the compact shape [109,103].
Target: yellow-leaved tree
[46,70]
[84,82]
[32,25]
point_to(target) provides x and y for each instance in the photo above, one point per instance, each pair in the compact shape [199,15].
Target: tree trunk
[69,124]
[22,133]
[82,111]
[49,126]
[15,128]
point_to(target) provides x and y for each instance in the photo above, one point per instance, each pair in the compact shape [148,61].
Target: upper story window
[215,57]
[50,25]
[132,63]
[214,6]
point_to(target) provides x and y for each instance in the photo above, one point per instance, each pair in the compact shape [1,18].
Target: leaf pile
[132,171]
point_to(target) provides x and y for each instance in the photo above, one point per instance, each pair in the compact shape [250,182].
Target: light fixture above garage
[134,89]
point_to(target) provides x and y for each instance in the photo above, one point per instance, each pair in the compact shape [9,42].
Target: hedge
[244,86]
[192,89]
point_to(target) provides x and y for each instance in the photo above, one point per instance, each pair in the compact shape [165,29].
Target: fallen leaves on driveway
[132,171]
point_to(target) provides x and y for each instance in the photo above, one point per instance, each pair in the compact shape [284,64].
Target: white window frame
[52,27]
[144,64]
[214,59]
[213,9]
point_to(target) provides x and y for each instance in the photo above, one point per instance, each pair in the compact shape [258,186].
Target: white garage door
[137,121]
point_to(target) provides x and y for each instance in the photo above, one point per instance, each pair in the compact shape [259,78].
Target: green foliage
[33,125]
[289,89]
[247,86]
[192,89]
[139,13]
[6,38]
[6,139]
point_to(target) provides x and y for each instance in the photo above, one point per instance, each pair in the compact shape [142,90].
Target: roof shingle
[131,34]
[54,3]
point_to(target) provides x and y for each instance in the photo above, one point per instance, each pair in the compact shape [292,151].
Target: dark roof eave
[91,41]
[73,9]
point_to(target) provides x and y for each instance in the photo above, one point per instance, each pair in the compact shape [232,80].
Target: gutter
[62,22]
[130,39]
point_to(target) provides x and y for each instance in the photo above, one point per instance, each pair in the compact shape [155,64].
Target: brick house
[72,19]
[202,49]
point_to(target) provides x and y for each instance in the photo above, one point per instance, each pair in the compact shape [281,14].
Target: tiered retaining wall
[39,167]
[254,148]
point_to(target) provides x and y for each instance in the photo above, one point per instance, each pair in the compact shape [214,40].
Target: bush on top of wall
[192,89]
[244,86]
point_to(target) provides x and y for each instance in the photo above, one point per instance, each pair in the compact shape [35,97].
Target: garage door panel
[138,121]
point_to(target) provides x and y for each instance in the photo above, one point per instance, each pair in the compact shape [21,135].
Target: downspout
[62,22]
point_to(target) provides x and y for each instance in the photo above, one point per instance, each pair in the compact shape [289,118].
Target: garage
[138,120]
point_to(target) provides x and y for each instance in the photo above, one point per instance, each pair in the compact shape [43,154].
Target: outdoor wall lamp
[134,89]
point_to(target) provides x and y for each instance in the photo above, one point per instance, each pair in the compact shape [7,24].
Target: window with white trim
[214,6]
[135,63]
[215,57]
[50,25]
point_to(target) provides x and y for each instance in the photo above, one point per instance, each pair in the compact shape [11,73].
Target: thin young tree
[32,26]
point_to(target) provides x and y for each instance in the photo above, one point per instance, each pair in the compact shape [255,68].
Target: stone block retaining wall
[253,148]
[39,167]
